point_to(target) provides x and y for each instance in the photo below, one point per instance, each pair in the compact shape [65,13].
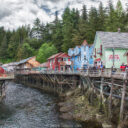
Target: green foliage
[84,13]
[119,8]
[45,51]
[3,49]
[25,51]
[57,36]
[67,29]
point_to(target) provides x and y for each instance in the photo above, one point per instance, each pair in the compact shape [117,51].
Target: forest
[43,40]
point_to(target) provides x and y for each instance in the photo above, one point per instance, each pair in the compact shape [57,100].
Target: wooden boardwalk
[106,83]
[7,76]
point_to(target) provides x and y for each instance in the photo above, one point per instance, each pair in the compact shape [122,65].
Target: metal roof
[55,55]
[23,61]
[63,55]
[113,39]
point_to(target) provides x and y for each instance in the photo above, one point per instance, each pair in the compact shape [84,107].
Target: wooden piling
[123,101]
[110,97]
[122,107]
[101,94]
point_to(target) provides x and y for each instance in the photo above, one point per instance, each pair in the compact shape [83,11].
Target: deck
[7,76]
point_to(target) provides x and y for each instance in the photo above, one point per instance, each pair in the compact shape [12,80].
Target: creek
[25,107]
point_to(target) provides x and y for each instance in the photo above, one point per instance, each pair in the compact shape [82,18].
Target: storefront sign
[116,58]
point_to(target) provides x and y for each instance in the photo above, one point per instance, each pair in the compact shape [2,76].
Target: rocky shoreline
[74,105]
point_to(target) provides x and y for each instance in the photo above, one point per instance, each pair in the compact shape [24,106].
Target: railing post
[87,71]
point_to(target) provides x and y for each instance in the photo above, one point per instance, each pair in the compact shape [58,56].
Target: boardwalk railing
[4,76]
[88,72]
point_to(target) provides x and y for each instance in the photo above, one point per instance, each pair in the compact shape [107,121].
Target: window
[59,60]
[65,59]
[78,58]
[84,48]
[84,57]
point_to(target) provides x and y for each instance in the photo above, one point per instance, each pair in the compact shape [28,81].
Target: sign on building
[116,58]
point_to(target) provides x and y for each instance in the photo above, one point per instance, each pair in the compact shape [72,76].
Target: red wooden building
[59,62]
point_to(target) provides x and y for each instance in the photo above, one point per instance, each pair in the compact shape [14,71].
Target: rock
[61,104]
[62,95]
[98,116]
[67,116]
[106,125]
[66,108]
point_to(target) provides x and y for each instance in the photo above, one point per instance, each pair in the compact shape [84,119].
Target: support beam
[110,99]
[123,101]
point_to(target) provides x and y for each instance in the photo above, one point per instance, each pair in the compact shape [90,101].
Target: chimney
[119,30]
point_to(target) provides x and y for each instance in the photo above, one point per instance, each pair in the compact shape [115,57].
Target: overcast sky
[15,13]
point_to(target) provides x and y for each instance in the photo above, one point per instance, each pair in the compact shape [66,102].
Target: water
[25,107]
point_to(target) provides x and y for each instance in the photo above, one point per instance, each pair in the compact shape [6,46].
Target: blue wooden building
[81,56]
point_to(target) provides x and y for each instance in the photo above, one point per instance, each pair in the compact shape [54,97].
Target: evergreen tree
[57,36]
[67,30]
[92,24]
[84,13]
[4,48]
[119,9]
[101,17]
[2,33]
[113,21]
[47,32]
[36,30]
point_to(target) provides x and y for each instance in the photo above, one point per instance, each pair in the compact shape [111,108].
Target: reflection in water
[25,107]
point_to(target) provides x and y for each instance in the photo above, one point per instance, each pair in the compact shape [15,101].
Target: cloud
[15,13]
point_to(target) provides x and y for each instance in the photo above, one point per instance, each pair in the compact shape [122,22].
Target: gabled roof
[54,56]
[33,62]
[113,39]
[23,61]
[10,64]
[63,55]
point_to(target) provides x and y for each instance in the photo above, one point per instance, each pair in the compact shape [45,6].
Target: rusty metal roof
[33,62]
